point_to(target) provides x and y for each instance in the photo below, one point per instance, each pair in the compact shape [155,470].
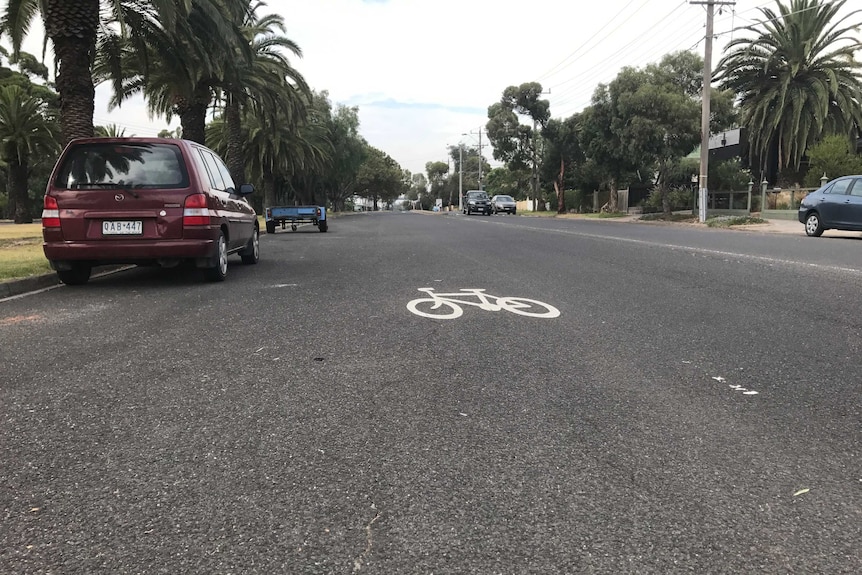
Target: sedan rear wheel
[813,225]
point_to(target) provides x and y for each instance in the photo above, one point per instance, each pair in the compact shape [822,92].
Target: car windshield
[477,196]
[505,199]
[123,165]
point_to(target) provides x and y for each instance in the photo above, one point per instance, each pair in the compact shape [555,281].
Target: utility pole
[535,168]
[481,160]
[460,176]
[704,116]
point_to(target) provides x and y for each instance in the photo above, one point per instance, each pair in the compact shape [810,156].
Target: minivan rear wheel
[79,274]
[218,272]
[251,254]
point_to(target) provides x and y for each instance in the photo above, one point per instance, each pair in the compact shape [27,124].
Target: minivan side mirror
[246,189]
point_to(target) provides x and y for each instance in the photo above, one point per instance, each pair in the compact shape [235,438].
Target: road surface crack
[357,563]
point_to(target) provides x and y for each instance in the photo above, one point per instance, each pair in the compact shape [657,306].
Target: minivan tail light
[195,211]
[50,213]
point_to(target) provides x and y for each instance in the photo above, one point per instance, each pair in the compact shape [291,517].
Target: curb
[22,286]
[25,285]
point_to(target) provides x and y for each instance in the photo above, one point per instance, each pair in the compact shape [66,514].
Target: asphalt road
[694,408]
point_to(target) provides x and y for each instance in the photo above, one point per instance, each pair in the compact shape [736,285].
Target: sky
[423,72]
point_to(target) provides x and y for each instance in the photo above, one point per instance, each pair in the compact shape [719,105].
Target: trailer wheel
[293,227]
[322,226]
[270,227]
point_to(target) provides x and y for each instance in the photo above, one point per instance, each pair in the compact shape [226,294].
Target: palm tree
[25,133]
[278,151]
[269,85]
[177,70]
[111,131]
[73,27]
[797,79]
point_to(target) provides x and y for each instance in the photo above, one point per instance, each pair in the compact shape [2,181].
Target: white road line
[692,249]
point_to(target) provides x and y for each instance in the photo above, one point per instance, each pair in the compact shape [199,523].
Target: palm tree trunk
[72,29]
[193,114]
[233,124]
[268,188]
[19,199]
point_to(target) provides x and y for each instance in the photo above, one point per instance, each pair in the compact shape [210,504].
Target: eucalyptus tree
[380,177]
[73,28]
[349,151]
[797,78]
[562,151]
[515,143]
[436,172]
[644,121]
[26,133]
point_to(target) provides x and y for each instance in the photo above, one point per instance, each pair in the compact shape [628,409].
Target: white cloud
[424,72]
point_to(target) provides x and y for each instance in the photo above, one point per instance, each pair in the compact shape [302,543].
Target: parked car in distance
[837,205]
[145,201]
[476,201]
[502,203]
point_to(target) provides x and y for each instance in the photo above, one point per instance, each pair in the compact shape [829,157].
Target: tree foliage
[561,155]
[515,143]
[797,78]
[641,124]
[380,177]
[833,157]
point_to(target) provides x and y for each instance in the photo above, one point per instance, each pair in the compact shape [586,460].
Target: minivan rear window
[122,165]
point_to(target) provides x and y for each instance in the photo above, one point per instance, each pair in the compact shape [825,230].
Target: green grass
[728,221]
[542,214]
[20,232]
[22,259]
[610,215]
[21,252]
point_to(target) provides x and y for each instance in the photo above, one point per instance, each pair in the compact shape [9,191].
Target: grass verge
[21,252]
[728,221]
[660,217]
[21,259]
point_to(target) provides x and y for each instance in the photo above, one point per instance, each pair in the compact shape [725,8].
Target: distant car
[476,201]
[145,201]
[505,204]
[837,205]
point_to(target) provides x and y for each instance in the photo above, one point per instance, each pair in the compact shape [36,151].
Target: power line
[585,44]
[603,63]
[603,67]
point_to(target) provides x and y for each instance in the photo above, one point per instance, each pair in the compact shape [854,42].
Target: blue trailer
[282,216]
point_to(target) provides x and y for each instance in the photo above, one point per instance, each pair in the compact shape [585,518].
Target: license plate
[129,228]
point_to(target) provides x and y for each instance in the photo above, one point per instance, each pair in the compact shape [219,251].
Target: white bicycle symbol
[440,301]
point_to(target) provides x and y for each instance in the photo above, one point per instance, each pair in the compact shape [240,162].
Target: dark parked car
[505,204]
[836,205]
[476,201]
[145,201]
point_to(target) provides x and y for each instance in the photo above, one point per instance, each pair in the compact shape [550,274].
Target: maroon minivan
[145,201]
